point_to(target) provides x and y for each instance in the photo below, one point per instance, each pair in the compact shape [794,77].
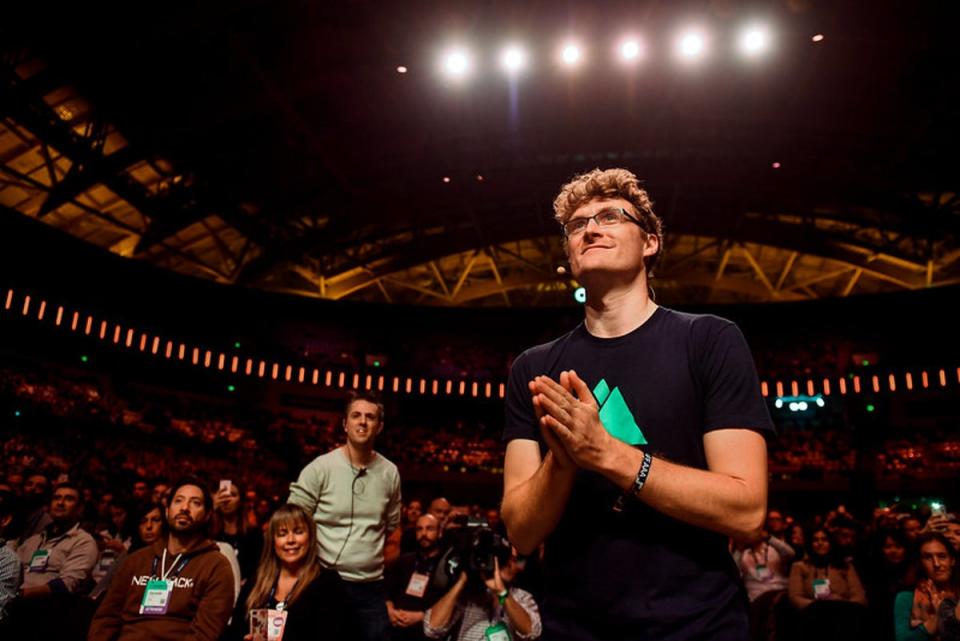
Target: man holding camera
[486,607]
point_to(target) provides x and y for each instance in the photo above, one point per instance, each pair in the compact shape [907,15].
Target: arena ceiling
[274,145]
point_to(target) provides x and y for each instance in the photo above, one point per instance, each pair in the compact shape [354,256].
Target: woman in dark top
[931,610]
[290,578]
[890,571]
[230,526]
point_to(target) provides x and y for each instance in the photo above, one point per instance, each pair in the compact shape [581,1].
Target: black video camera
[471,547]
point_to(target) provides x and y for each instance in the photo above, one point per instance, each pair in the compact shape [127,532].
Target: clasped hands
[569,420]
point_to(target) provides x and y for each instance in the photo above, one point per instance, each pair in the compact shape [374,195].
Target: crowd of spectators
[283,437]
[96,468]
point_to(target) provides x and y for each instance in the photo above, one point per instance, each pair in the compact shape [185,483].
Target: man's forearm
[532,509]
[714,501]
[518,616]
[443,609]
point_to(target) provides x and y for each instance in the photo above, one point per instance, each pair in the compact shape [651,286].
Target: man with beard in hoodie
[180,588]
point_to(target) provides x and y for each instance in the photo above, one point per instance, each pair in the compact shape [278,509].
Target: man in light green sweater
[353,494]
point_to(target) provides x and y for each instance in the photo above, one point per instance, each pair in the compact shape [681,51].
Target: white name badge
[156,597]
[418,584]
[39,560]
[821,588]
[267,625]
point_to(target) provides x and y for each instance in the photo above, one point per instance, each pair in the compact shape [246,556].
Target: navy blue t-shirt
[639,574]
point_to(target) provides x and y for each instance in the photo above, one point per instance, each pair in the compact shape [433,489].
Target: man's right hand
[560,455]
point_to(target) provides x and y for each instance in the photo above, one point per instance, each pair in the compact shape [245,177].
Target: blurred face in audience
[362,423]
[16,482]
[911,528]
[187,513]
[428,532]
[936,562]
[440,508]
[103,506]
[775,524]
[228,501]
[65,506]
[35,485]
[140,490]
[952,532]
[414,511]
[151,525]
[820,543]
[797,537]
[846,537]
[159,494]
[493,517]
[893,552]
[118,516]
[290,542]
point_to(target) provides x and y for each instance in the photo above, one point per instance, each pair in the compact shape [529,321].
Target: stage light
[754,40]
[775,165]
[446,179]
[870,408]
[818,38]
[84,359]
[231,388]
[571,54]
[513,59]
[401,69]
[630,50]
[778,403]
[691,45]
[456,63]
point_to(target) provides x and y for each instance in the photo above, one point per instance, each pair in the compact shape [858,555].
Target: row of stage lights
[130,338]
[690,46]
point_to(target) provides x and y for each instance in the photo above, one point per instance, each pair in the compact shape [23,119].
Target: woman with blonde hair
[290,578]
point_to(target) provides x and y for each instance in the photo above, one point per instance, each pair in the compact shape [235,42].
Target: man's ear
[651,245]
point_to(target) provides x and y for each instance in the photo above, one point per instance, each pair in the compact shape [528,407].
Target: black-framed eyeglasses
[609,217]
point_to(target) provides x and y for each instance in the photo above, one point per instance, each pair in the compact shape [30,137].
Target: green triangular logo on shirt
[616,416]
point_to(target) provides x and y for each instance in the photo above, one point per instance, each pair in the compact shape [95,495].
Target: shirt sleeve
[902,608]
[394,505]
[9,578]
[215,604]
[439,633]
[526,601]
[520,421]
[305,491]
[731,388]
[107,621]
[78,563]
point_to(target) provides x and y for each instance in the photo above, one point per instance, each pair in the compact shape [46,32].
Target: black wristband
[638,482]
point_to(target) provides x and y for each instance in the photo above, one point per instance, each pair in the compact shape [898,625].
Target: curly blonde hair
[600,184]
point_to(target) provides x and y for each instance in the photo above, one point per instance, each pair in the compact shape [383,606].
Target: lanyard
[273,591]
[171,572]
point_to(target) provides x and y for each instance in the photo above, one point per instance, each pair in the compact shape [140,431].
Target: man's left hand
[495,583]
[572,414]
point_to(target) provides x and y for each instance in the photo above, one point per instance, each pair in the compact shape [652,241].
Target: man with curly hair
[635,443]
